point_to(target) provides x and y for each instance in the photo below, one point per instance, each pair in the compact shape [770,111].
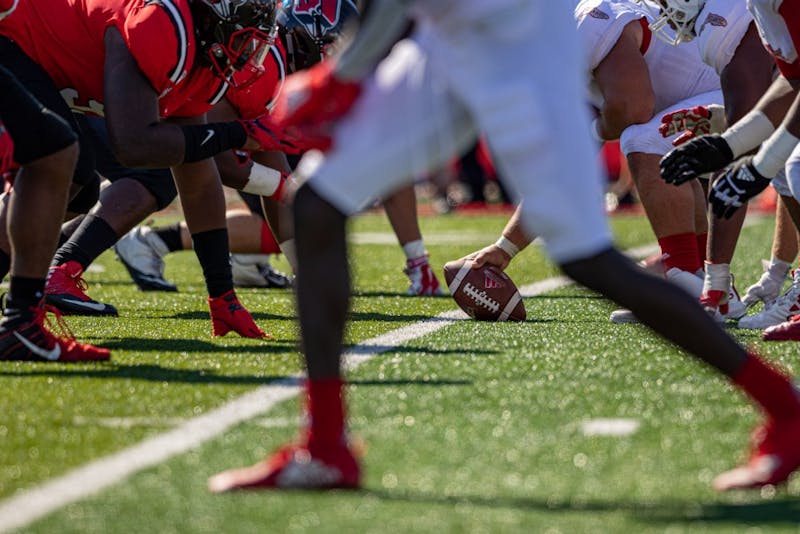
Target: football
[485,294]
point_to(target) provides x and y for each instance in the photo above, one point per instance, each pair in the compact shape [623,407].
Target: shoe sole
[68,306]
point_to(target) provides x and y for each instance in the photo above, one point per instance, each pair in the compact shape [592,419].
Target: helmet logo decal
[714,20]
[329,10]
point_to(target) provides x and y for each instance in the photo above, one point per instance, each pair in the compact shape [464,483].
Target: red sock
[326,412]
[770,388]
[682,251]
[269,245]
[702,242]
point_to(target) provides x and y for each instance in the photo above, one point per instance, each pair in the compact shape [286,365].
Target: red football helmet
[234,36]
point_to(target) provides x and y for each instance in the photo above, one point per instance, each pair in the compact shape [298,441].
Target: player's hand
[491,255]
[735,187]
[6,151]
[268,136]
[706,153]
[693,122]
[311,101]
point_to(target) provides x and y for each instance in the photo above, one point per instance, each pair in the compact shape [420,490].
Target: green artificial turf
[474,428]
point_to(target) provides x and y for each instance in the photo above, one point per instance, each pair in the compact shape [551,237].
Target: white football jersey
[463,11]
[772,28]
[676,72]
[720,27]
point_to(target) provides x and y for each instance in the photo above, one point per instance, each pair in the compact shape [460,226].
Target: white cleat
[767,289]
[142,253]
[781,310]
[255,270]
[692,283]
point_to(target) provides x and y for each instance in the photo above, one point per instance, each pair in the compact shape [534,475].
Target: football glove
[269,136]
[706,153]
[310,103]
[698,120]
[735,187]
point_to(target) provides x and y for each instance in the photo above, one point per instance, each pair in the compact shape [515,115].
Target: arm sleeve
[386,21]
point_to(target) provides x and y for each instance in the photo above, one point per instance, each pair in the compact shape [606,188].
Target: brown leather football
[486,293]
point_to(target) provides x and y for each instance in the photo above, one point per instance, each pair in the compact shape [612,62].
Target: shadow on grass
[781,511]
[141,344]
[155,373]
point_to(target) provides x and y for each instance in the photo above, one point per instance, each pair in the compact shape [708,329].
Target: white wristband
[504,244]
[262,181]
[748,132]
[772,155]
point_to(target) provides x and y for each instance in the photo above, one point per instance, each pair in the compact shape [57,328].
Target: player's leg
[47,151]
[561,190]
[401,209]
[203,204]
[335,189]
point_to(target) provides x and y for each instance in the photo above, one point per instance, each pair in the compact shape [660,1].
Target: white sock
[414,249]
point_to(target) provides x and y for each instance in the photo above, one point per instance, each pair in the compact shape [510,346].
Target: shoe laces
[789,297]
[56,327]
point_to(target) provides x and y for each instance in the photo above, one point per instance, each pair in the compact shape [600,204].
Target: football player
[634,80]
[768,127]
[455,76]
[152,70]
[728,41]
[46,149]
[307,33]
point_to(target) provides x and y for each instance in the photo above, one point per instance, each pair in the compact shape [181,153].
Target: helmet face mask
[674,22]
[234,36]
[309,28]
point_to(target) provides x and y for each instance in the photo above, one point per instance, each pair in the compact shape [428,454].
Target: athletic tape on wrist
[507,246]
[772,155]
[748,132]
[263,180]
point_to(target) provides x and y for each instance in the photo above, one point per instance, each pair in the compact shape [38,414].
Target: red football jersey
[258,98]
[65,37]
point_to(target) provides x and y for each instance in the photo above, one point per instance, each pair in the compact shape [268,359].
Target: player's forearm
[514,231]
[771,157]
[384,24]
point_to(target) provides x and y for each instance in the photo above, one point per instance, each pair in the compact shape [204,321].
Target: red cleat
[785,331]
[66,290]
[776,455]
[294,467]
[227,314]
[33,341]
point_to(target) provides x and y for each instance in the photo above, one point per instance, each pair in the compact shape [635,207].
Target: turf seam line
[32,504]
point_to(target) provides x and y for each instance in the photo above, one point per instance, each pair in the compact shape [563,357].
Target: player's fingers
[685,136]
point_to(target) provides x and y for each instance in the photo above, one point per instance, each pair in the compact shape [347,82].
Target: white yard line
[29,505]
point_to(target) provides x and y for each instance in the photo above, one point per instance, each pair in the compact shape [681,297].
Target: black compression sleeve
[207,140]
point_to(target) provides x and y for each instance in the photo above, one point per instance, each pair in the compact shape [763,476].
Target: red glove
[6,150]
[269,136]
[312,101]
[698,120]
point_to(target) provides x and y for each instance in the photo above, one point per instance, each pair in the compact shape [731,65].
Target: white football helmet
[674,23]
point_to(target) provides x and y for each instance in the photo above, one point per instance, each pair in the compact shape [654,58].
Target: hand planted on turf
[735,187]
[706,153]
[693,122]
[310,103]
[490,255]
[268,136]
